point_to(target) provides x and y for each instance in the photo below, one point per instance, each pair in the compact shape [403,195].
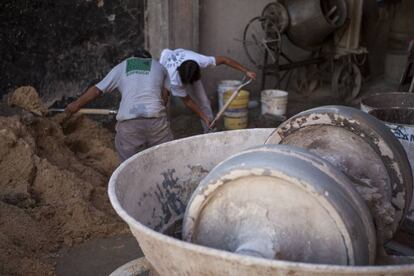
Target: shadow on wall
[59,46]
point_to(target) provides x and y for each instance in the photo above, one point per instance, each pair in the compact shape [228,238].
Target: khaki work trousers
[138,134]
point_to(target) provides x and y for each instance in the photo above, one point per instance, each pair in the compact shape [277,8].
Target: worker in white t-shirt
[142,119]
[184,66]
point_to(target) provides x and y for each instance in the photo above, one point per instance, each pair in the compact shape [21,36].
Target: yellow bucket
[236,115]
[240,102]
[235,122]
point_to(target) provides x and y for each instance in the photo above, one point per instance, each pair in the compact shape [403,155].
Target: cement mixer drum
[280,202]
[311,21]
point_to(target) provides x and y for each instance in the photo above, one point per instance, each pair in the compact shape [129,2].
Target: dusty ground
[53,177]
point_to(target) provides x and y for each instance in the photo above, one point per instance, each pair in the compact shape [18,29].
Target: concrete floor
[97,257]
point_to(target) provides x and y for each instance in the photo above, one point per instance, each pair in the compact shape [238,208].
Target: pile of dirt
[27,98]
[53,178]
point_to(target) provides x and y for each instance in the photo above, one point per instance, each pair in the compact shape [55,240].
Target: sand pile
[27,98]
[53,178]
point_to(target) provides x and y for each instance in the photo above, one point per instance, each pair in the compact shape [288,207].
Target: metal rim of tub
[379,113]
[391,100]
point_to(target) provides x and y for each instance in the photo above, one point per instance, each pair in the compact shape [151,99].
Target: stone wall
[60,46]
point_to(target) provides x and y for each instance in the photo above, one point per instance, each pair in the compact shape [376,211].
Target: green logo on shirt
[138,66]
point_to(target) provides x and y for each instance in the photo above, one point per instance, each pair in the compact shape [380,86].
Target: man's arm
[165,94]
[90,95]
[194,107]
[234,64]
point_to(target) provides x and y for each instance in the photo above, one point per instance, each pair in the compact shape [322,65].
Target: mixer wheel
[305,80]
[260,37]
[347,80]
[278,14]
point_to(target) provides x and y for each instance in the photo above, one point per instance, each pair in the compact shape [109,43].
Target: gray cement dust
[177,193]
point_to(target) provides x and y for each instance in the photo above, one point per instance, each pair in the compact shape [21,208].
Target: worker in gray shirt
[142,119]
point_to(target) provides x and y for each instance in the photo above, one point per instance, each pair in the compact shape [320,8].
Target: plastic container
[274,102]
[236,115]
[232,123]
[223,87]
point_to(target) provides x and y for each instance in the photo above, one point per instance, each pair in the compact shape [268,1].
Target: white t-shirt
[140,82]
[172,59]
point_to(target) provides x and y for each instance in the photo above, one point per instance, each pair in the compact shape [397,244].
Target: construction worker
[142,119]
[184,66]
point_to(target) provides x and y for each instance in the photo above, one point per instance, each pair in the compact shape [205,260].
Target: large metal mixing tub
[150,192]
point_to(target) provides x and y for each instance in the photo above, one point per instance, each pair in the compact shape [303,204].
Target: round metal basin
[150,192]
[387,100]
[285,203]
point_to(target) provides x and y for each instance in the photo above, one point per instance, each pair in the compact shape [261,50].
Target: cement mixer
[302,43]
[245,208]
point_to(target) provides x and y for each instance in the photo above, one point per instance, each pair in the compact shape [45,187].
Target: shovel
[91,111]
[226,105]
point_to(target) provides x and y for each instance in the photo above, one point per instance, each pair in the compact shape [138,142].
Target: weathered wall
[401,32]
[172,24]
[59,46]
[221,31]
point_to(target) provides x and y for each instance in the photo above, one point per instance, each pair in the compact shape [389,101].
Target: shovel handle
[92,111]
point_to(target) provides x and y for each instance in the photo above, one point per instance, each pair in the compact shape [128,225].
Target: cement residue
[53,177]
[181,192]
[382,211]
[197,173]
[27,98]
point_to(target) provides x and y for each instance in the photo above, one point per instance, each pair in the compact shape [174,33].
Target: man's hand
[72,108]
[90,95]
[251,74]
[196,109]
[207,121]
[234,64]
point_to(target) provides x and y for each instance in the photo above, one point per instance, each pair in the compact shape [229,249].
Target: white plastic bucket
[223,87]
[274,102]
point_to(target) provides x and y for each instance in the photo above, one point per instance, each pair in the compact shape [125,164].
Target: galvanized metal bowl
[147,193]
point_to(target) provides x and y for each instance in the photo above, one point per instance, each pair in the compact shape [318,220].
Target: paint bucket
[223,87]
[274,102]
[236,115]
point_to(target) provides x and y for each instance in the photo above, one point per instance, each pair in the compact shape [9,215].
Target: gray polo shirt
[140,82]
